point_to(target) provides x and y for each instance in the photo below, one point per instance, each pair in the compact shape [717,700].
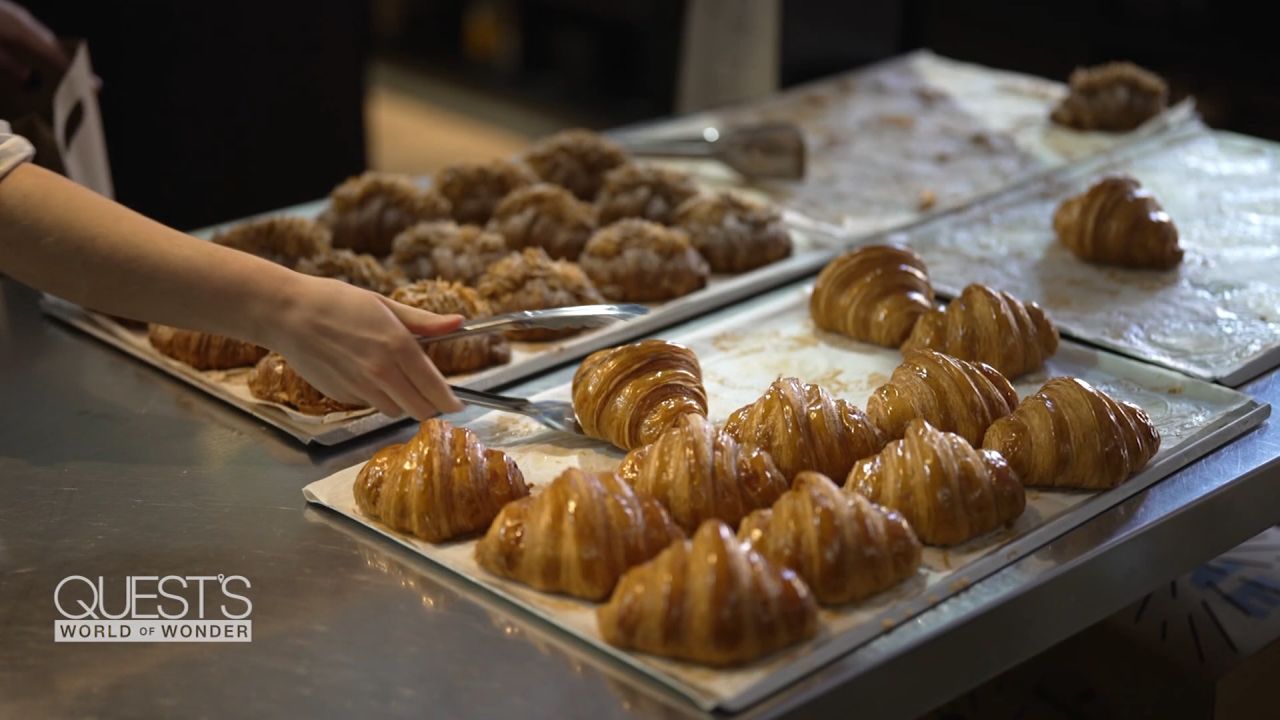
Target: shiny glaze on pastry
[1117,222]
[362,270]
[475,189]
[203,351]
[733,233]
[445,250]
[874,294]
[1116,96]
[283,240]
[367,211]
[545,216]
[643,191]
[988,326]
[466,354]
[530,280]
[274,380]
[951,394]
[640,261]
[576,160]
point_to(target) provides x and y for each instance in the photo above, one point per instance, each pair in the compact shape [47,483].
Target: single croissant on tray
[201,350]
[1117,222]
[874,294]
[628,395]
[1069,434]
[440,485]
[577,536]
[948,491]
[712,600]
[952,395]
[842,545]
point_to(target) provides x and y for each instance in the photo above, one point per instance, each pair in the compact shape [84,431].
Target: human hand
[25,43]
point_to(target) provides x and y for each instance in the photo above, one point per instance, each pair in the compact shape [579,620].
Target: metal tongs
[767,151]
[555,414]
[566,318]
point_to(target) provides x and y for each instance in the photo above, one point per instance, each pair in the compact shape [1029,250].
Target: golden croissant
[628,395]
[1117,222]
[712,600]
[952,395]
[874,294]
[991,327]
[700,472]
[577,536]
[273,379]
[1072,435]
[803,428]
[441,484]
[948,491]
[201,350]
[842,545]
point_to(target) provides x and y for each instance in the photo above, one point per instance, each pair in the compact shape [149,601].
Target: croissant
[950,394]
[699,472]
[1072,435]
[1115,96]
[948,491]
[577,536]
[531,280]
[440,485]
[274,380]
[366,212]
[545,216]
[463,355]
[733,233]
[283,240]
[642,191]
[475,189]
[712,600]
[803,428]
[362,270]
[842,545]
[444,250]
[629,395]
[874,294]
[637,260]
[575,159]
[991,327]
[203,351]
[1117,222]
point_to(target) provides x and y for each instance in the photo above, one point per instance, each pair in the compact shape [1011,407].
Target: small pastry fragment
[874,294]
[201,350]
[274,380]
[362,270]
[576,160]
[1072,435]
[950,394]
[843,546]
[545,216]
[366,212]
[578,536]
[1118,222]
[1116,96]
[733,233]
[988,326]
[440,485]
[283,240]
[711,600]
[640,261]
[700,472]
[949,492]
[530,280]
[444,250]
[475,189]
[643,191]
[468,354]
[629,395]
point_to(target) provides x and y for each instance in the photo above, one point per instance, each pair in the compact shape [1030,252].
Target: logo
[150,608]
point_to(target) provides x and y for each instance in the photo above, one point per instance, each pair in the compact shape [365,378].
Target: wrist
[275,298]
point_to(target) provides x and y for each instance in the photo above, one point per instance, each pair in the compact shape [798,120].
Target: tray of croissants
[768,488]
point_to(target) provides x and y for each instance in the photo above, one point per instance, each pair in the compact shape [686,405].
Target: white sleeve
[14,150]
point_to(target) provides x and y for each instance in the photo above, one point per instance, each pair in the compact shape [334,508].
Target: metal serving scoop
[565,318]
[554,414]
[767,151]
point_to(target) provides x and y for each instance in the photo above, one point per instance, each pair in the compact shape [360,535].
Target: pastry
[468,354]
[1116,96]
[629,395]
[1117,222]
[545,216]
[203,351]
[440,485]
[643,191]
[841,544]
[363,270]
[530,280]
[283,240]
[444,250]
[988,326]
[803,428]
[1072,435]
[274,380]
[733,234]
[952,395]
[641,261]
[367,211]
[576,160]
[948,491]
[712,600]
[475,189]
[577,536]
[700,472]
[874,294]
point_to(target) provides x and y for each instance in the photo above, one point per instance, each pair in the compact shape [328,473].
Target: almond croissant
[991,327]
[948,491]
[439,485]
[1072,435]
[874,294]
[711,600]
[577,536]
[274,380]
[844,546]
[952,395]
[1117,222]
[700,472]
[628,395]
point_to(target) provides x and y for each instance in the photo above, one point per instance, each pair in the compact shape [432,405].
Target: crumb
[928,199]
[887,624]
[906,122]
[959,584]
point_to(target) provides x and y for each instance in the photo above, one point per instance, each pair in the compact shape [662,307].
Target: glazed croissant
[711,600]
[803,428]
[700,472]
[273,379]
[439,485]
[1117,222]
[628,395]
[874,294]
[203,351]
[842,545]
[948,491]
[991,327]
[952,395]
[577,536]
[1072,435]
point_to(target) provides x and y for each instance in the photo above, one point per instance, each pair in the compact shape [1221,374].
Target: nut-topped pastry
[733,233]
[445,250]
[643,191]
[1118,222]
[951,394]
[874,294]
[640,261]
[201,350]
[545,216]
[576,160]
[274,380]
[362,270]
[283,240]
[366,212]
[1116,96]
[475,189]
[466,354]
[530,280]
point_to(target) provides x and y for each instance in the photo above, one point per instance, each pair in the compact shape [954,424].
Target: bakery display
[641,261]
[629,395]
[440,485]
[711,600]
[578,536]
[576,160]
[531,280]
[283,240]
[1118,222]
[362,270]
[950,394]
[949,492]
[643,191]
[366,212]
[845,547]
[274,380]
[1072,435]
[475,189]
[1116,96]
[988,326]
[545,216]
[733,233]
[445,250]
[203,351]
[874,294]
[700,472]
[462,355]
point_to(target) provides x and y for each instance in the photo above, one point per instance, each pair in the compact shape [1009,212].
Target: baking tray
[741,352]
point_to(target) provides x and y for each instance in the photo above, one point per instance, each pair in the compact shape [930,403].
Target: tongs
[555,414]
[766,151]
[565,318]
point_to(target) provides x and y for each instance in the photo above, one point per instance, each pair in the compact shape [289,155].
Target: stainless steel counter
[110,468]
